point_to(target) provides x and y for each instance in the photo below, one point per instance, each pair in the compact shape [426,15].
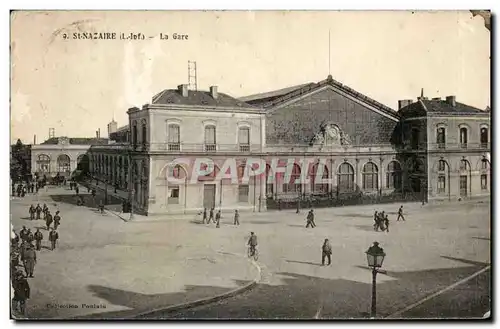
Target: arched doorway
[464,178]
[63,165]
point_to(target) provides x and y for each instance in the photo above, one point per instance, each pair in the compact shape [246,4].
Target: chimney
[451,100]
[404,103]
[183,90]
[213,92]
[34,139]
[436,98]
[96,134]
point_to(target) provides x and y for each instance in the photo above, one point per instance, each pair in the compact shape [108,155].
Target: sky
[78,86]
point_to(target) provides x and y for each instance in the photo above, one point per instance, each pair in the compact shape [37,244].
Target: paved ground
[104,261]
[140,265]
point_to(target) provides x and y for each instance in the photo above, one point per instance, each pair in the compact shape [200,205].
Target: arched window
[370,176]
[292,186]
[484,137]
[441,137]
[317,186]
[210,141]
[463,137]
[485,171]
[464,177]
[269,182]
[174,137]
[244,139]
[345,177]
[63,164]
[144,133]
[134,134]
[442,176]
[393,175]
[176,172]
[43,163]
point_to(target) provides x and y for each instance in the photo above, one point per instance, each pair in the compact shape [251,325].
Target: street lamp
[375,256]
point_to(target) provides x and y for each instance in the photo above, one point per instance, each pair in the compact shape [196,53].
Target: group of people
[209,218]
[20,190]
[35,214]
[381,220]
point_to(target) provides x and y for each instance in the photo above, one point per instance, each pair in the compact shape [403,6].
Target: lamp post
[375,256]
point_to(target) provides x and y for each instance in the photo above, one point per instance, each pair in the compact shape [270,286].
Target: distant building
[62,155]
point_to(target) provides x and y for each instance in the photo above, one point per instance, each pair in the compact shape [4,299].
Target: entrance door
[463,186]
[209,196]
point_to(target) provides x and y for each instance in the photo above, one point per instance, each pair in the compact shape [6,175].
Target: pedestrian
[77,190]
[53,236]
[71,185]
[211,215]
[48,219]
[38,210]
[29,260]
[37,187]
[38,239]
[15,240]
[326,252]
[375,220]
[400,213]
[101,207]
[22,233]
[204,215]
[386,223]
[236,217]
[310,219]
[22,249]
[32,212]
[13,189]
[57,220]
[29,236]
[21,292]
[217,219]
[23,192]
[45,209]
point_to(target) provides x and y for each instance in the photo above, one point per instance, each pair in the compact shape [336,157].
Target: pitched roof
[442,106]
[77,141]
[200,98]
[283,95]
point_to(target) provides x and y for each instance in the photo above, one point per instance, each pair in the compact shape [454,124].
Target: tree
[18,164]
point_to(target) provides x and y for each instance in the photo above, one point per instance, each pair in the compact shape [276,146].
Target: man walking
[236,217]
[326,252]
[57,220]
[22,233]
[310,219]
[38,210]
[53,237]
[45,209]
[29,236]
[29,260]
[400,214]
[38,239]
[211,215]
[217,219]
[21,292]
[32,212]
[386,223]
[204,215]
[48,219]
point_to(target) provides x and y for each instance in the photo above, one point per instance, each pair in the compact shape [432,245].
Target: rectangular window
[244,139]
[441,188]
[243,191]
[269,189]
[173,195]
[484,182]
[441,138]
[174,138]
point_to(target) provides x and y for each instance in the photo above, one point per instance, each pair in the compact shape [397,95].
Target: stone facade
[365,149]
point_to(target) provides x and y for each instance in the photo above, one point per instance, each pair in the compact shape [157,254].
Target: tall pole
[106,192]
[374,293]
